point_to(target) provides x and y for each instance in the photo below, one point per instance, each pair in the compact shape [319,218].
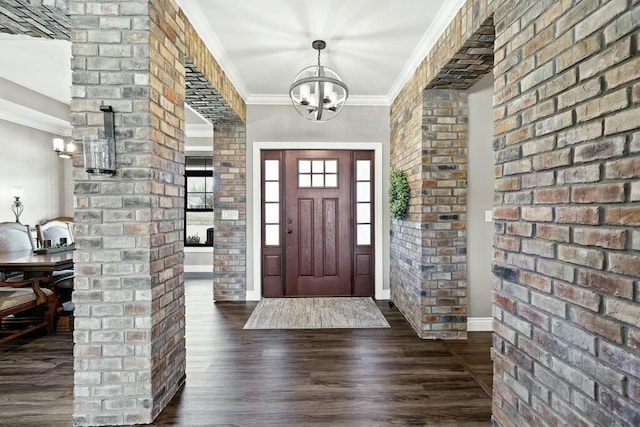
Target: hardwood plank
[365,377]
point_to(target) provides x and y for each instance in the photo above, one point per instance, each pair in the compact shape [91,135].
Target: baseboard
[480,324]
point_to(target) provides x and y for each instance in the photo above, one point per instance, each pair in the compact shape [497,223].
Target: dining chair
[54,230]
[14,237]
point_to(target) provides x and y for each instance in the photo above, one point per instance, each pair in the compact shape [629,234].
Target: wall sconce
[100,151]
[17,207]
[64,151]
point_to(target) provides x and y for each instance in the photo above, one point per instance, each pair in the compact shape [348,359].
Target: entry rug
[316,313]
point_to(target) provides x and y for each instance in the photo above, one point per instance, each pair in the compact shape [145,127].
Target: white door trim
[256,293]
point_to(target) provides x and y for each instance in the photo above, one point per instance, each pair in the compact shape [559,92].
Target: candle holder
[17,207]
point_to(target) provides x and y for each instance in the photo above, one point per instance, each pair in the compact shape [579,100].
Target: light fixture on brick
[100,151]
[317,92]
[64,151]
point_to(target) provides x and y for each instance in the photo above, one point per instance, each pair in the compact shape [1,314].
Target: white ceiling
[375,45]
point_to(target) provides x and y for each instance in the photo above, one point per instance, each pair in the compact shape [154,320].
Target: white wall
[28,161]
[281,123]
[480,197]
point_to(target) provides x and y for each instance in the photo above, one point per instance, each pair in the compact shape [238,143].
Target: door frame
[376,147]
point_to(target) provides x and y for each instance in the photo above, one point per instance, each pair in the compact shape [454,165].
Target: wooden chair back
[55,229]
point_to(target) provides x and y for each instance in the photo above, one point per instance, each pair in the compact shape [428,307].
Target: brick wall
[567,252]
[46,18]
[428,143]
[229,254]
[129,337]
[444,190]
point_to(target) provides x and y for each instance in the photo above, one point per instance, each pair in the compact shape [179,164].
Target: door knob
[289,231]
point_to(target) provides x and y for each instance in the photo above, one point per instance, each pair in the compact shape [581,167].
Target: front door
[318,229]
[317,222]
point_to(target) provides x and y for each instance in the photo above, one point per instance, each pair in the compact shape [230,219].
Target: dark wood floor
[366,377]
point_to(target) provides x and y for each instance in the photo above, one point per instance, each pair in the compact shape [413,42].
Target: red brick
[551,195]
[507,243]
[577,295]
[604,237]
[597,324]
[623,168]
[533,315]
[504,302]
[598,193]
[628,215]
[506,212]
[537,214]
[581,256]
[520,229]
[624,264]
[578,215]
[552,232]
[536,281]
[609,283]
[552,160]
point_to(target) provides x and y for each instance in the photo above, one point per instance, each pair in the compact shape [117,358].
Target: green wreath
[399,192]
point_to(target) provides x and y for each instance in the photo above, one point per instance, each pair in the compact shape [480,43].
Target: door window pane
[197,184]
[271,192]
[363,234]
[331,166]
[271,170]
[318,166]
[196,201]
[364,213]
[272,235]
[317,181]
[271,213]
[363,192]
[304,181]
[363,170]
[331,180]
[304,166]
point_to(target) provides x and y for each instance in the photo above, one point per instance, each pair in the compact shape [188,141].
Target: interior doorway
[317,226]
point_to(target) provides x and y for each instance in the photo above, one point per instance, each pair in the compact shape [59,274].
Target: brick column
[229,254]
[444,190]
[129,337]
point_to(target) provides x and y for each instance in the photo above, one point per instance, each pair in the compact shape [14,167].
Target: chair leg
[50,314]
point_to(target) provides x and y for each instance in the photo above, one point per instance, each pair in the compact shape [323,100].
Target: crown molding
[439,24]
[210,39]
[353,100]
[34,119]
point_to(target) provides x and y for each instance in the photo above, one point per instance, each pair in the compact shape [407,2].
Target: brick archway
[429,282]
[129,285]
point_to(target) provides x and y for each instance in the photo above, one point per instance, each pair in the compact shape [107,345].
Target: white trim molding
[480,324]
[199,131]
[199,21]
[256,293]
[439,24]
[28,117]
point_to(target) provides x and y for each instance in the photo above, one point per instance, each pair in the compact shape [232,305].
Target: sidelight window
[271,202]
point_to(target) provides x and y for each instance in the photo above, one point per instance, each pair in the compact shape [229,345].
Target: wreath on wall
[399,192]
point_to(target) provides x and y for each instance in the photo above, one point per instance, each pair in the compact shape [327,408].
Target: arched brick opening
[429,262]
[129,290]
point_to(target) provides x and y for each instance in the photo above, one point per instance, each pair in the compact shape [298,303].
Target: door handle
[289,231]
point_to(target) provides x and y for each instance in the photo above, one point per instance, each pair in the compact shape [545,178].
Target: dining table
[34,264]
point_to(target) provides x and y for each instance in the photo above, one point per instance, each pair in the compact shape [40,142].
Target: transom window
[318,173]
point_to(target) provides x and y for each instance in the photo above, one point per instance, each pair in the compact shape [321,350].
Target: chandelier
[317,92]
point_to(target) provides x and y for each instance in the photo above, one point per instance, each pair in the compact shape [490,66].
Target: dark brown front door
[317,223]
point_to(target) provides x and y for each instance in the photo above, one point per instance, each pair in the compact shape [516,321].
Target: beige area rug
[316,313]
